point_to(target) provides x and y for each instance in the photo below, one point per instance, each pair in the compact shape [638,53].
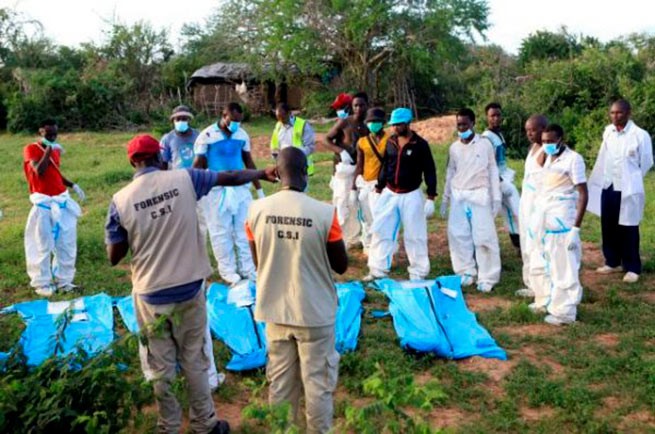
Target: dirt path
[435,130]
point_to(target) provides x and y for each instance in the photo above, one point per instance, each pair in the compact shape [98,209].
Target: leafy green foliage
[393,392]
[274,419]
[76,394]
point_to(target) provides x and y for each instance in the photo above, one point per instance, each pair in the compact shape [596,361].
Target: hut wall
[212,98]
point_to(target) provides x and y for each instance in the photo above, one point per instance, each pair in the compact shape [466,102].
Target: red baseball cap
[141,147]
[342,100]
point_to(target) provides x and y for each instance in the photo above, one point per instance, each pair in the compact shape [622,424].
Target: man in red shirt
[51,229]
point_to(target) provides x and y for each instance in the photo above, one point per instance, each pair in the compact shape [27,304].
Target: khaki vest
[294,278]
[296,140]
[158,211]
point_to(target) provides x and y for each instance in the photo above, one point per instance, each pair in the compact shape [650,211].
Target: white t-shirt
[562,174]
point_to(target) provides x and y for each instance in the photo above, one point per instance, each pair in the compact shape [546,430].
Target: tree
[545,45]
[377,44]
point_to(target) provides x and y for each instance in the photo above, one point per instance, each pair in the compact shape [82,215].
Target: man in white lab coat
[616,190]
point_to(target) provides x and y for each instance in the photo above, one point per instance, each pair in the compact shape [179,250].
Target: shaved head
[292,168]
[538,120]
[623,104]
[534,127]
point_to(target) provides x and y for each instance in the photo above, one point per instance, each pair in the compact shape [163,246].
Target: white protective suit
[532,179]
[472,186]
[554,266]
[226,211]
[347,215]
[51,239]
[391,210]
[510,195]
[367,197]
[637,149]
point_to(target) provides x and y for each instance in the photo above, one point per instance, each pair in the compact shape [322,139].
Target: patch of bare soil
[485,303]
[640,421]
[442,418]
[231,411]
[531,354]
[592,258]
[536,414]
[260,145]
[438,130]
[611,403]
[607,339]
[648,297]
[438,242]
[495,369]
[541,329]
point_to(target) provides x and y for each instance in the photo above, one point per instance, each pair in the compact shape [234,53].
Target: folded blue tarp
[231,319]
[90,325]
[431,316]
[349,315]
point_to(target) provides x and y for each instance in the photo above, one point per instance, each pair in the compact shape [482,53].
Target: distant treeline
[422,55]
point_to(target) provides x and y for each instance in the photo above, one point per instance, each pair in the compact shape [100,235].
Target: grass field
[595,376]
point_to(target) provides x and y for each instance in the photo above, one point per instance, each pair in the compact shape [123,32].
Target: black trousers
[620,243]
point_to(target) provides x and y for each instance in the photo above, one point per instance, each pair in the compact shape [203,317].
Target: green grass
[570,378]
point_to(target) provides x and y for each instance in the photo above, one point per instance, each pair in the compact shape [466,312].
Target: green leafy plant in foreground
[394,393]
[77,393]
[275,419]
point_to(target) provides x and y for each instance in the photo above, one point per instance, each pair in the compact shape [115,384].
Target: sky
[71,22]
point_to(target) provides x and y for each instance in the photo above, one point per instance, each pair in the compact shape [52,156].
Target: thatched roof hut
[214,86]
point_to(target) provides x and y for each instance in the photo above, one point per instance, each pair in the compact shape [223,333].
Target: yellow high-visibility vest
[296,141]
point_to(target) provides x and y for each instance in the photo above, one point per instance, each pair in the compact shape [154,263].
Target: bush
[75,394]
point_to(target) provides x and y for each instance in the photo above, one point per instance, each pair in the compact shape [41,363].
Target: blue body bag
[432,317]
[90,325]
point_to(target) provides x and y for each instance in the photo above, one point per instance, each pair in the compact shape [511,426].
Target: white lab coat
[638,159]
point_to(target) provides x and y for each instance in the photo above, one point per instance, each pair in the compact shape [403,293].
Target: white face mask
[465,135]
[181,126]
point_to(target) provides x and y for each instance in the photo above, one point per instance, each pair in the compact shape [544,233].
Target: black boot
[516,240]
[222,427]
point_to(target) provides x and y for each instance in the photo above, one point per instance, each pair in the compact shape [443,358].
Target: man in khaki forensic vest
[155,217]
[295,241]
[293,131]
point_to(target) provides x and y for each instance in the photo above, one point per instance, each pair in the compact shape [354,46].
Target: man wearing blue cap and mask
[225,146]
[407,162]
[473,191]
[559,208]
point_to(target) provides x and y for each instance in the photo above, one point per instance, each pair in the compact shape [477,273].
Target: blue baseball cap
[400,115]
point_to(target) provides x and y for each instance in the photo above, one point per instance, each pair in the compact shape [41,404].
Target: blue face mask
[234,126]
[342,114]
[551,148]
[374,127]
[466,134]
[181,126]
